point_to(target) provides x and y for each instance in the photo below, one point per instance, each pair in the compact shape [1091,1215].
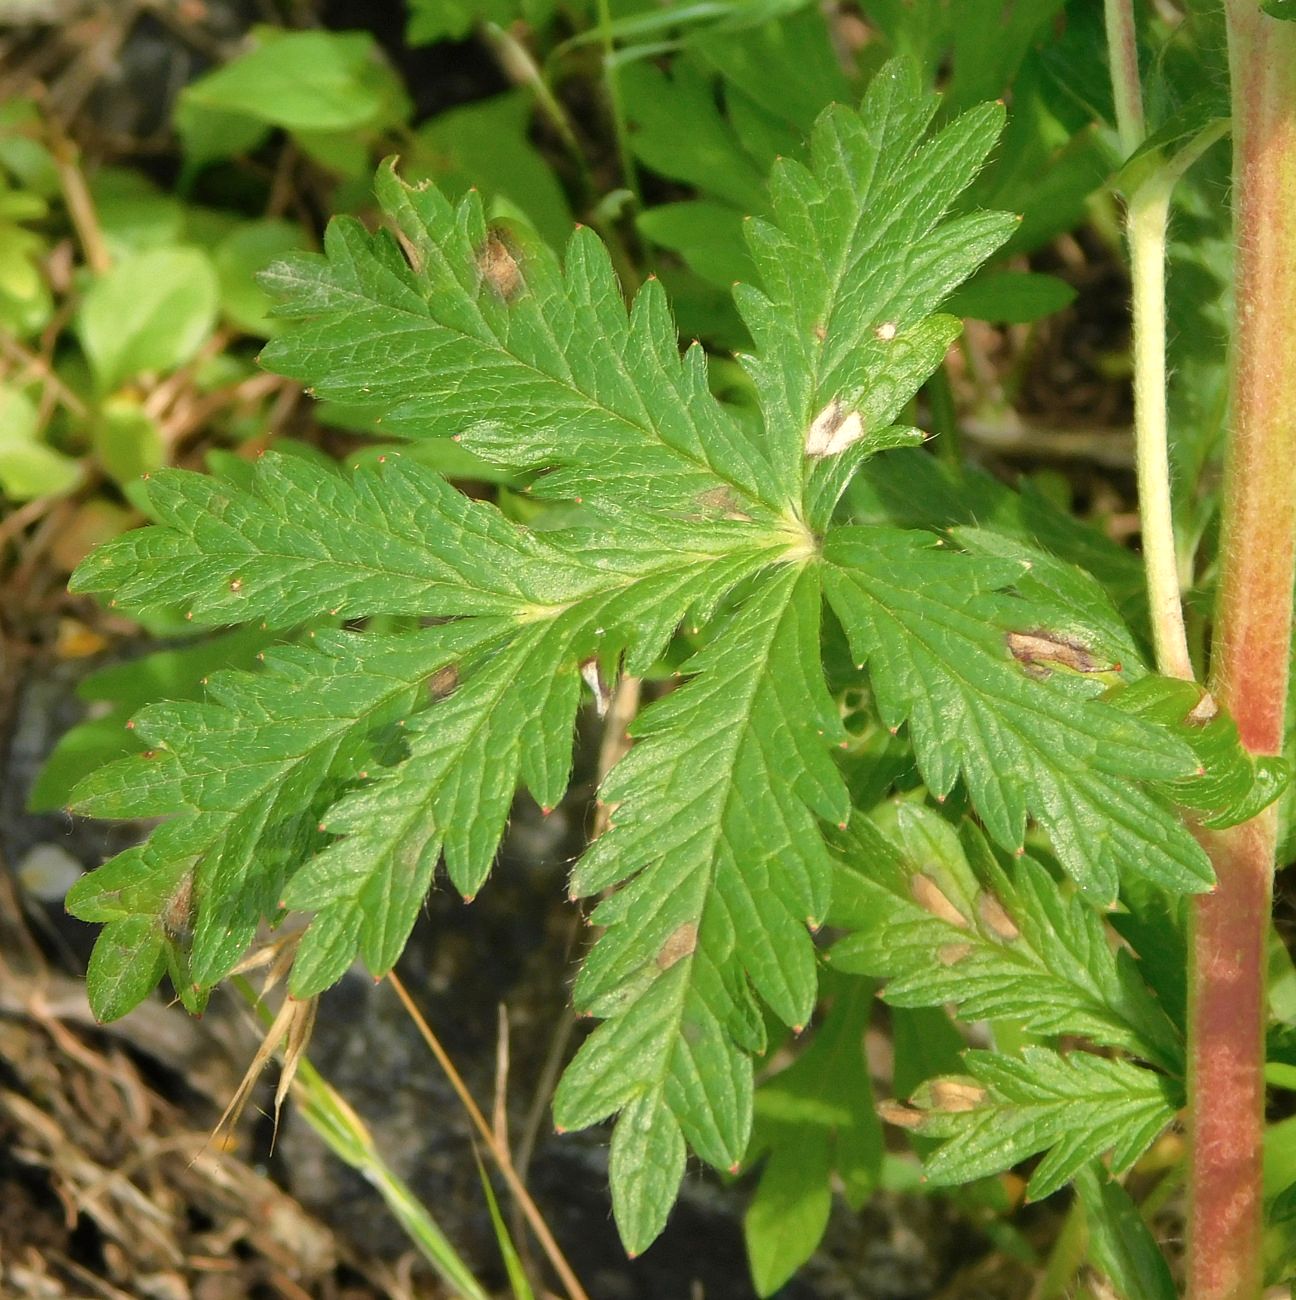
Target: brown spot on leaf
[497,264]
[412,254]
[996,919]
[600,688]
[443,681]
[928,895]
[1043,651]
[177,915]
[679,944]
[950,954]
[955,1094]
[894,1112]
[721,501]
[834,429]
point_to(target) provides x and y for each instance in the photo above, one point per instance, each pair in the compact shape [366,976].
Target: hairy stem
[1127,93]
[1249,664]
[1146,218]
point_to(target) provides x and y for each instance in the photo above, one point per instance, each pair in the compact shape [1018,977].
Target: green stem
[522,69]
[1249,664]
[1127,91]
[1146,219]
[629,174]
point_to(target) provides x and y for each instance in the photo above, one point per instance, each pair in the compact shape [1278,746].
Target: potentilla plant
[1055,779]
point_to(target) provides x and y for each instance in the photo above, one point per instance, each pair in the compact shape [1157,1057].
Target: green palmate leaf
[999,942]
[942,660]
[334,780]
[716,815]
[391,538]
[1006,1108]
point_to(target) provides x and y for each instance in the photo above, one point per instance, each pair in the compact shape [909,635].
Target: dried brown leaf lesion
[1041,651]
[498,262]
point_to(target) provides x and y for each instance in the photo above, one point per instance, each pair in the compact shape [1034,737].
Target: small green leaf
[1202,119]
[706,234]
[127,439]
[305,81]
[1231,785]
[487,145]
[29,468]
[1119,1241]
[150,312]
[704,155]
[812,1120]
[788,1215]
[22,149]
[439,20]
[1010,297]
[134,214]
[129,958]
[239,258]
[115,693]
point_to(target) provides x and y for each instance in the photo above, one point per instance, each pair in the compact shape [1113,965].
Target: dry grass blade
[499,1114]
[499,1152]
[288,1033]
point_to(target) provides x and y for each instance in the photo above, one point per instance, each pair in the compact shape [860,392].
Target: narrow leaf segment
[939,660]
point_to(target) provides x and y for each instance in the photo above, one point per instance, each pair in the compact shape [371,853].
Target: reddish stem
[1249,664]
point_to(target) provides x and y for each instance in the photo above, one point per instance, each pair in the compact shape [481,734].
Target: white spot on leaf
[834,429]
